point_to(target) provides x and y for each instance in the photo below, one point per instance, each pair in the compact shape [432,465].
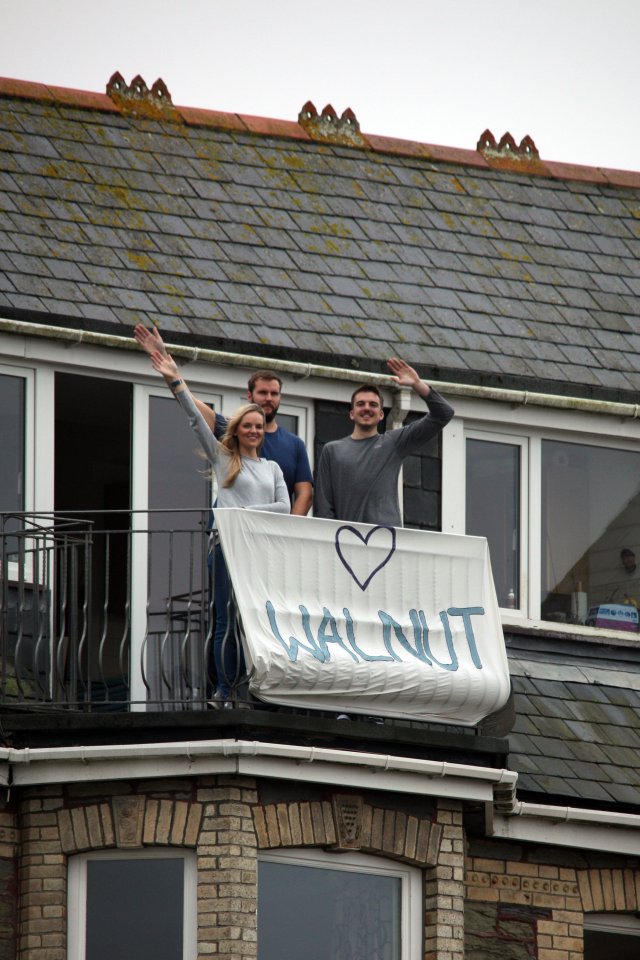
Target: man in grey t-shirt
[358,476]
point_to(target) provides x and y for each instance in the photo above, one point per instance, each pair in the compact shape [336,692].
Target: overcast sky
[566,72]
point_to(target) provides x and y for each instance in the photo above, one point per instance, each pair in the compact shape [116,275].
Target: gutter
[575,827]
[506,817]
[49,765]
[303,371]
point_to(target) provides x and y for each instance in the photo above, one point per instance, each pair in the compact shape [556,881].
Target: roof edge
[332,367]
[293,130]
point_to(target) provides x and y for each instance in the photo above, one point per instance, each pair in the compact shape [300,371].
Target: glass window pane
[493,511]
[323,914]
[178,481]
[289,421]
[135,909]
[598,944]
[11,443]
[177,470]
[590,534]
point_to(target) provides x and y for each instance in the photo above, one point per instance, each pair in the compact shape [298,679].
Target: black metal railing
[104,611]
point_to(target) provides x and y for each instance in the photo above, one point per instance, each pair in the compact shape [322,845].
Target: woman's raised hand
[165,365]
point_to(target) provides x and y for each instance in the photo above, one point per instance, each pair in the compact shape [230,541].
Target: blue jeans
[227,654]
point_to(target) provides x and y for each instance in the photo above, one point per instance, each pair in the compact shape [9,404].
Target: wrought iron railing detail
[107,611]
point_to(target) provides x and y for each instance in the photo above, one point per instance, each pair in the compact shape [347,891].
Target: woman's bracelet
[175,383]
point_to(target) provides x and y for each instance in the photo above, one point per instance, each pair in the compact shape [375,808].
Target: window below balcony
[611,935]
[328,907]
[134,906]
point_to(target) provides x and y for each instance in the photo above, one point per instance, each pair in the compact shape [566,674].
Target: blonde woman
[244,480]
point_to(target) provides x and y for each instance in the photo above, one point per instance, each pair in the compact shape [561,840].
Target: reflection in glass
[178,482]
[493,511]
[135,909]
[590,534]
[322,914]
[289,421]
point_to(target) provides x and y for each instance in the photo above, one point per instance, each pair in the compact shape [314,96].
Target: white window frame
[142,395]
[28,375]
[412,895]
[526,558]
[304,414]
[31,477]
[77,895]
[627,924]
[505,423]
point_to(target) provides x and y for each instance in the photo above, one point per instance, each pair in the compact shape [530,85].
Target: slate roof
[576,737]
[251,235]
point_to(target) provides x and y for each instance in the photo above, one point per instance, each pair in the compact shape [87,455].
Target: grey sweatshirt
[259,485]
[358,479]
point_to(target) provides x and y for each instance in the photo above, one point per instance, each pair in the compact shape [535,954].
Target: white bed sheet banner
[355,618]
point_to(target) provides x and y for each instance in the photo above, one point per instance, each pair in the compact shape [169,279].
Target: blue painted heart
[349,544]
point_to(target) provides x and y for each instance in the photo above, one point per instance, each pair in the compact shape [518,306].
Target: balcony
[106,612]
[107,622]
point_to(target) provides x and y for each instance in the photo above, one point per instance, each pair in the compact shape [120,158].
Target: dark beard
[270,417]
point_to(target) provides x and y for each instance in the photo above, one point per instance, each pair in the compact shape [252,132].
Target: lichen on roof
[518,273]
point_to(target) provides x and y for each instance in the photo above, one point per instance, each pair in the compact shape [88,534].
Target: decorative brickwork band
[608,891]
[128,823]
[568,895]
[347,816]
[348,823]
[128,819]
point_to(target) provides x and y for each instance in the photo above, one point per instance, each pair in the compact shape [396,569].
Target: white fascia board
[558,814]
[603,832]
[70,770]
[335,774]
[309,764]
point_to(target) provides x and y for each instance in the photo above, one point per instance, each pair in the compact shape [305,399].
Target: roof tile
[495,259]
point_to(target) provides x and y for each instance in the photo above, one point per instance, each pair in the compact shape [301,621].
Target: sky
[566,72]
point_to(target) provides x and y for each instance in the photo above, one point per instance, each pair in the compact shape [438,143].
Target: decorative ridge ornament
[136,98]
[506,154]
[507,147]
[330,128]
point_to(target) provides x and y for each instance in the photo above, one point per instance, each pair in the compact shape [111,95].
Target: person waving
[245,480]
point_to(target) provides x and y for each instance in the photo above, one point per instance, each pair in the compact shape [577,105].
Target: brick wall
[496,900]
[444,889]
[8,882]
[227,823]
[532,902]
[227,869]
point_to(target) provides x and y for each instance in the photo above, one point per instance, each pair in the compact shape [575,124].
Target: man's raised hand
[403,374]
[406,376]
